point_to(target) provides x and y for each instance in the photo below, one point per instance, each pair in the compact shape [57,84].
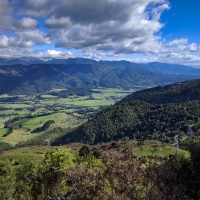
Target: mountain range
[32,76]
[163,68]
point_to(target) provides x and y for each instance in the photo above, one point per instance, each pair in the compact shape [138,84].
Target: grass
[108,92]
[27,153]
[100,99]
[5,96]
[1,125]
[81,101]
[28,124]
[8,96]
[14,112]
[61,119]
[35,122]
[92,103]
[159,151]
[16,105]
[3,131]
[48,96]
[4,146]
[155,148]
[37,152]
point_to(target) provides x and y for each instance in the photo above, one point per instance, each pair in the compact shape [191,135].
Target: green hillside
[148,114]
[174,93]
[40,78]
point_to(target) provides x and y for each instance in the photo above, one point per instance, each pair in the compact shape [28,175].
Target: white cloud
[103,29]
[175,42]
[26,23]
[24,39]
[63,22]
[194,47]
[107,25]
[57,54]
[36,36]
[3,41]
[6,17]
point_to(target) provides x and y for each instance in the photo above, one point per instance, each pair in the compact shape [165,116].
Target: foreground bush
[115,175]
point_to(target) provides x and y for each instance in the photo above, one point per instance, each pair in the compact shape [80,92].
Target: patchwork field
[19,117]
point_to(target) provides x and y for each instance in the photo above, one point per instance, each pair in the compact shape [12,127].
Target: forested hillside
[163,68]
[178,92]
[137,120]
[157,113]
[40,78]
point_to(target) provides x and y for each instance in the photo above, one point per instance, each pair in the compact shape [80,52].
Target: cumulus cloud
[194,47]
[106,25]
[181,45]
[26,23]
[3,41]
[63,22]
[24,39]
[6,17]
[57,54]
[175,42]
[103,29]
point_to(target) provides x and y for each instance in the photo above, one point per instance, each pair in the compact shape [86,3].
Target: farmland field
[16,105]
[29,113]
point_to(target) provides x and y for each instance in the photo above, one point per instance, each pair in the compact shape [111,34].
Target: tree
[54,168]
[29,181]
[7,180]
[84,151]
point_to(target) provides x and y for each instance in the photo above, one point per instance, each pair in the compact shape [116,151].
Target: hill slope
[162,68]
[135,119]
[166,68]
[174,93]
[33,79]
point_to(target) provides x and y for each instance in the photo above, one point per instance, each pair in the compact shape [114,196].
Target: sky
[135,30]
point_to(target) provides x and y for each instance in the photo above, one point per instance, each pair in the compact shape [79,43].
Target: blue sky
[135,30]
[182,20]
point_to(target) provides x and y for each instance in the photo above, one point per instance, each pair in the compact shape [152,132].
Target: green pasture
[68,100]
[8,96]
[160,151]
[1,125]
[47,96]
[29,124]
[57,90]
[154,148]
[49,102]
[35,152]
[35,122]
[14,112]
[5,96]
[4,145]
[103,102]
[27,153]
[79,102]
[61,119]
[16,105]
[7,112]
[100,99]
[3,131]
